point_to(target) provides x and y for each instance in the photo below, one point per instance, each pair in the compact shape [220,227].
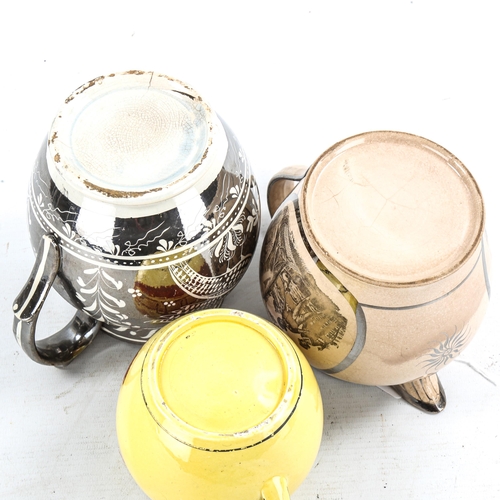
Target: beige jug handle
[282,184]
[275,489]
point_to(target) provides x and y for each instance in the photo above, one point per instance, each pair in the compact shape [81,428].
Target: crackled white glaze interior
[135,138]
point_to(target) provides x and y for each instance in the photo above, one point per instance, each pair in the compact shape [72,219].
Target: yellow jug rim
[203,439]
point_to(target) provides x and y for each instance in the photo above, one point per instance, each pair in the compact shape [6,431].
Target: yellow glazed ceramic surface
[219,405]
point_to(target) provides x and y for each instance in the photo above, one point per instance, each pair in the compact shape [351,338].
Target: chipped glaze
[151,202]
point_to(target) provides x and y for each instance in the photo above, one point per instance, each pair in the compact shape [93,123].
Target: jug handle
[62,347]
[275,489]
[282,184]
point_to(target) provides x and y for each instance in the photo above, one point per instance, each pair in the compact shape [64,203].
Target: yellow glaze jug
[219,404]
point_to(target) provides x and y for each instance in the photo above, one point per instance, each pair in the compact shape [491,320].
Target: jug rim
[327,253]
[167,415]
[111,128]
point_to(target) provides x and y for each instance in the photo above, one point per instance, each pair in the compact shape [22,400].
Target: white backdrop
[290,78]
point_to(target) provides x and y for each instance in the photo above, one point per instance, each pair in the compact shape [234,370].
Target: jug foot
[426,393]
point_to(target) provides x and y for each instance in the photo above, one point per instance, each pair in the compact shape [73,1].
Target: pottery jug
[142,208]
[376,262]
[219,404]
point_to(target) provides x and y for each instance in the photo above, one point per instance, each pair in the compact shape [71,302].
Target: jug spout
[426,393]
